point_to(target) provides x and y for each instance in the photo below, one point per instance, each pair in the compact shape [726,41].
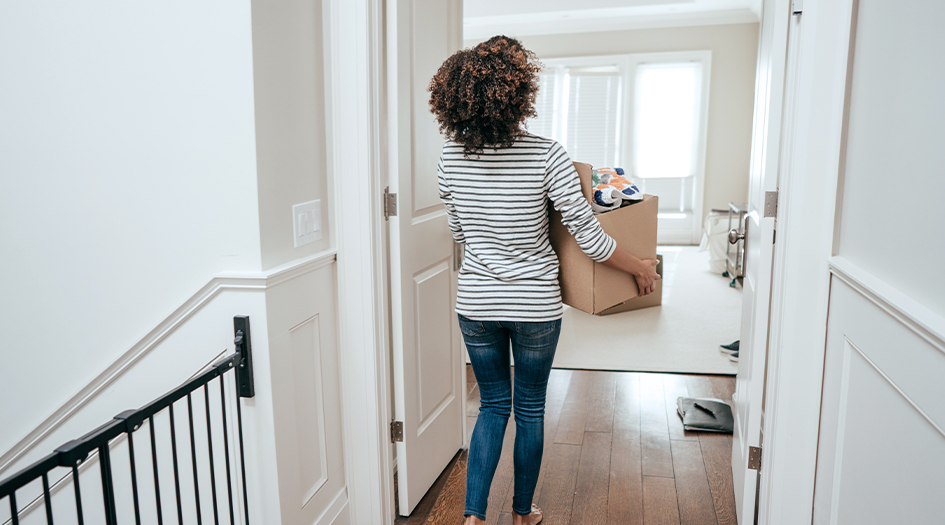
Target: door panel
[881,451]
[426,352]
[431,45]
[432,298]
[759,251]
[881,455]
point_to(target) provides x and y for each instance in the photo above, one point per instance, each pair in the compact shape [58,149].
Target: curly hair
[482,96]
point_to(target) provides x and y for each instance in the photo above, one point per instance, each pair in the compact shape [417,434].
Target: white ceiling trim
[478,28]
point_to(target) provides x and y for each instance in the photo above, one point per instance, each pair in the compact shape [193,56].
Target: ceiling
[484,18]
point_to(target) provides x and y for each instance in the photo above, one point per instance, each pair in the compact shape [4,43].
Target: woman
[495,179]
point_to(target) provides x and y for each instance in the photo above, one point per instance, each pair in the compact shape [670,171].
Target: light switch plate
[307,222]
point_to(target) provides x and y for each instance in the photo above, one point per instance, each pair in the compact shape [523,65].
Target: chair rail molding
[924,322]
[250,281]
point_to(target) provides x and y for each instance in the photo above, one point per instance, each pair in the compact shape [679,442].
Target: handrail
[73,453]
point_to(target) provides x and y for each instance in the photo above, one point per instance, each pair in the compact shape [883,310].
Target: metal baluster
[213,478]
[134,475]
[14,514]
[180,512]
[108,487]
[46,500]
[226,452]
[239,427]
[78,494]
[193,455]
[154,465]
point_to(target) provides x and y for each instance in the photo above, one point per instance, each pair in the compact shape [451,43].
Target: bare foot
[531,518]
[472,520]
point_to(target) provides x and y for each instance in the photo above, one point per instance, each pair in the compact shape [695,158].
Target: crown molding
[595,21]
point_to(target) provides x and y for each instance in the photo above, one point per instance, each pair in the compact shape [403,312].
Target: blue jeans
[533,346]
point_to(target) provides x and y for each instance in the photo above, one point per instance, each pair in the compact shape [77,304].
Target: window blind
[593,123]
[543,125]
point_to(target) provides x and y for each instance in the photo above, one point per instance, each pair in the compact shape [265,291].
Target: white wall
[145,152]
[127,181]
[734,52]
[289,75]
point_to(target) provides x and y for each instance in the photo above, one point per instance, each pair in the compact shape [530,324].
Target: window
[645,113]
[666,118]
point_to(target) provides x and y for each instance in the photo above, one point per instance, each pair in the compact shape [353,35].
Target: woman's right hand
[646,276]
[643,270]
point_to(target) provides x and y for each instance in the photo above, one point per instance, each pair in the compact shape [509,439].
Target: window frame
[672,230]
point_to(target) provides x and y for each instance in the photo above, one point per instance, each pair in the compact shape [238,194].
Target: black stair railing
[99,442]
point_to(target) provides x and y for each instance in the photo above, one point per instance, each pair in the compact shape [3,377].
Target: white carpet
[699,312]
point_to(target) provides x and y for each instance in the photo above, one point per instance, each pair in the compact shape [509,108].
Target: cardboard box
[592,287]
[635,303]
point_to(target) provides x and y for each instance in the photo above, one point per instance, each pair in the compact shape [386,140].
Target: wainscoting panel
[307,397]
[882,445]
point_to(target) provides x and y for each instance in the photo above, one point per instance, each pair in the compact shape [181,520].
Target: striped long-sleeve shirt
[496,203]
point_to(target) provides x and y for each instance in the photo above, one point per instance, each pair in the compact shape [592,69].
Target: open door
[428,379]
[759,251]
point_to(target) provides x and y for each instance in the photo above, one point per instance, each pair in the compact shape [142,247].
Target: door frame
[355,110]
[810,167]
[816,93]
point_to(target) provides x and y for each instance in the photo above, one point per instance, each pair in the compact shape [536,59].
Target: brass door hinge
[396,431]
[771,204]
[754,458]
[390,204]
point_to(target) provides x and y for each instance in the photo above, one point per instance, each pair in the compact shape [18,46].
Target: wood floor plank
[557,494]
[451,502]
[593,479]
[674,387]
[717,456]
[505,518]
[717,448]
[654,441]
[625,492]
[659,501]
[723,386]
[426,504]
[600,404]
[696,506]
[574,412]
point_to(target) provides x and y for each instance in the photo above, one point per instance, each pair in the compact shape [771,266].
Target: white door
[428,380]
[759,251]
[881,449]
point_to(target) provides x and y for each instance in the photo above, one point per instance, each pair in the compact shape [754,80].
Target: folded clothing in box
[611,190]
[590,286]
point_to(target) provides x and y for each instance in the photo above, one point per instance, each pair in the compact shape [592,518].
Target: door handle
[734,236]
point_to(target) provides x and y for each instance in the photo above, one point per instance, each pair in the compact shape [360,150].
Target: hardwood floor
[615,453]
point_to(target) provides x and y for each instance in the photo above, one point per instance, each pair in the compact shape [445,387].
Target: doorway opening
[695,153]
